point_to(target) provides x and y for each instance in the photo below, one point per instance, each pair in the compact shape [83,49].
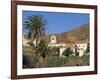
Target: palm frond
[36,26]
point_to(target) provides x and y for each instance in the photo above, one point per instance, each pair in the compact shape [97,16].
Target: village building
[54,43]
[79,47]
[25,41]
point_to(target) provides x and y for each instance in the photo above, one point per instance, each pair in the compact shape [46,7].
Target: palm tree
[43,50]
[35,26]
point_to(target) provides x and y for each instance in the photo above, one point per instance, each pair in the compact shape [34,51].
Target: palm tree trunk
[44,62]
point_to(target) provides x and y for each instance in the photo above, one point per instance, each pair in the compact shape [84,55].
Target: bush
[54,51]
[55,61]
[88,48]
[28,60]
[67,52]
[76,53]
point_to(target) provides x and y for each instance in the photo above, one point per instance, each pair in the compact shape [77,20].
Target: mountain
[80,33]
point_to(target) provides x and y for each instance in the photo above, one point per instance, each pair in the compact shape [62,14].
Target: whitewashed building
[80,48]
[25,41]
[54,43]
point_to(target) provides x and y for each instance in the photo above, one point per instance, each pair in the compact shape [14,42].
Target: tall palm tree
[35,26]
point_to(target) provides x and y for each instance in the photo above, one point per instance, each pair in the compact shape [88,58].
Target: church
[80,47]
[54,43]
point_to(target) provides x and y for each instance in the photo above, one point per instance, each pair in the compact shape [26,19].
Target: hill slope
[78,34]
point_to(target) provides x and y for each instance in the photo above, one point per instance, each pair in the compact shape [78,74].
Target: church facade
[79,47]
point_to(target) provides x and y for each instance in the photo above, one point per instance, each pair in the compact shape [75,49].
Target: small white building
[80,48]
[54,43]
[25,42]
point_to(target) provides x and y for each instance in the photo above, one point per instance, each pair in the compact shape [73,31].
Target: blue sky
[59,22]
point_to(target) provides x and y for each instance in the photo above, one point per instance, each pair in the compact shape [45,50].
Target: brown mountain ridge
[80,33]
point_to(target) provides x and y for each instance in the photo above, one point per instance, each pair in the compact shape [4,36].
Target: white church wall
[53,39]
[56,45]
[61,51]
[25,41]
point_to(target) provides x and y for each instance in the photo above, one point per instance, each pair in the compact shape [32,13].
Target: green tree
[35,26]
[43,50]
[55,51]
[67,52]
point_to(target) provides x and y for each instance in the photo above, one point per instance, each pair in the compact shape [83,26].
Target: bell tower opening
[53,39]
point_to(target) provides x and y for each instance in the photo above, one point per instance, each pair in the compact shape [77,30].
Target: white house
[25,41]
[80,48]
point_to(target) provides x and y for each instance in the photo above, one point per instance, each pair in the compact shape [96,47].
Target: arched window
[53,39]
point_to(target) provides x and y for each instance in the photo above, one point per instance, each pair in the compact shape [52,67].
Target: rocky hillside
[78,34]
